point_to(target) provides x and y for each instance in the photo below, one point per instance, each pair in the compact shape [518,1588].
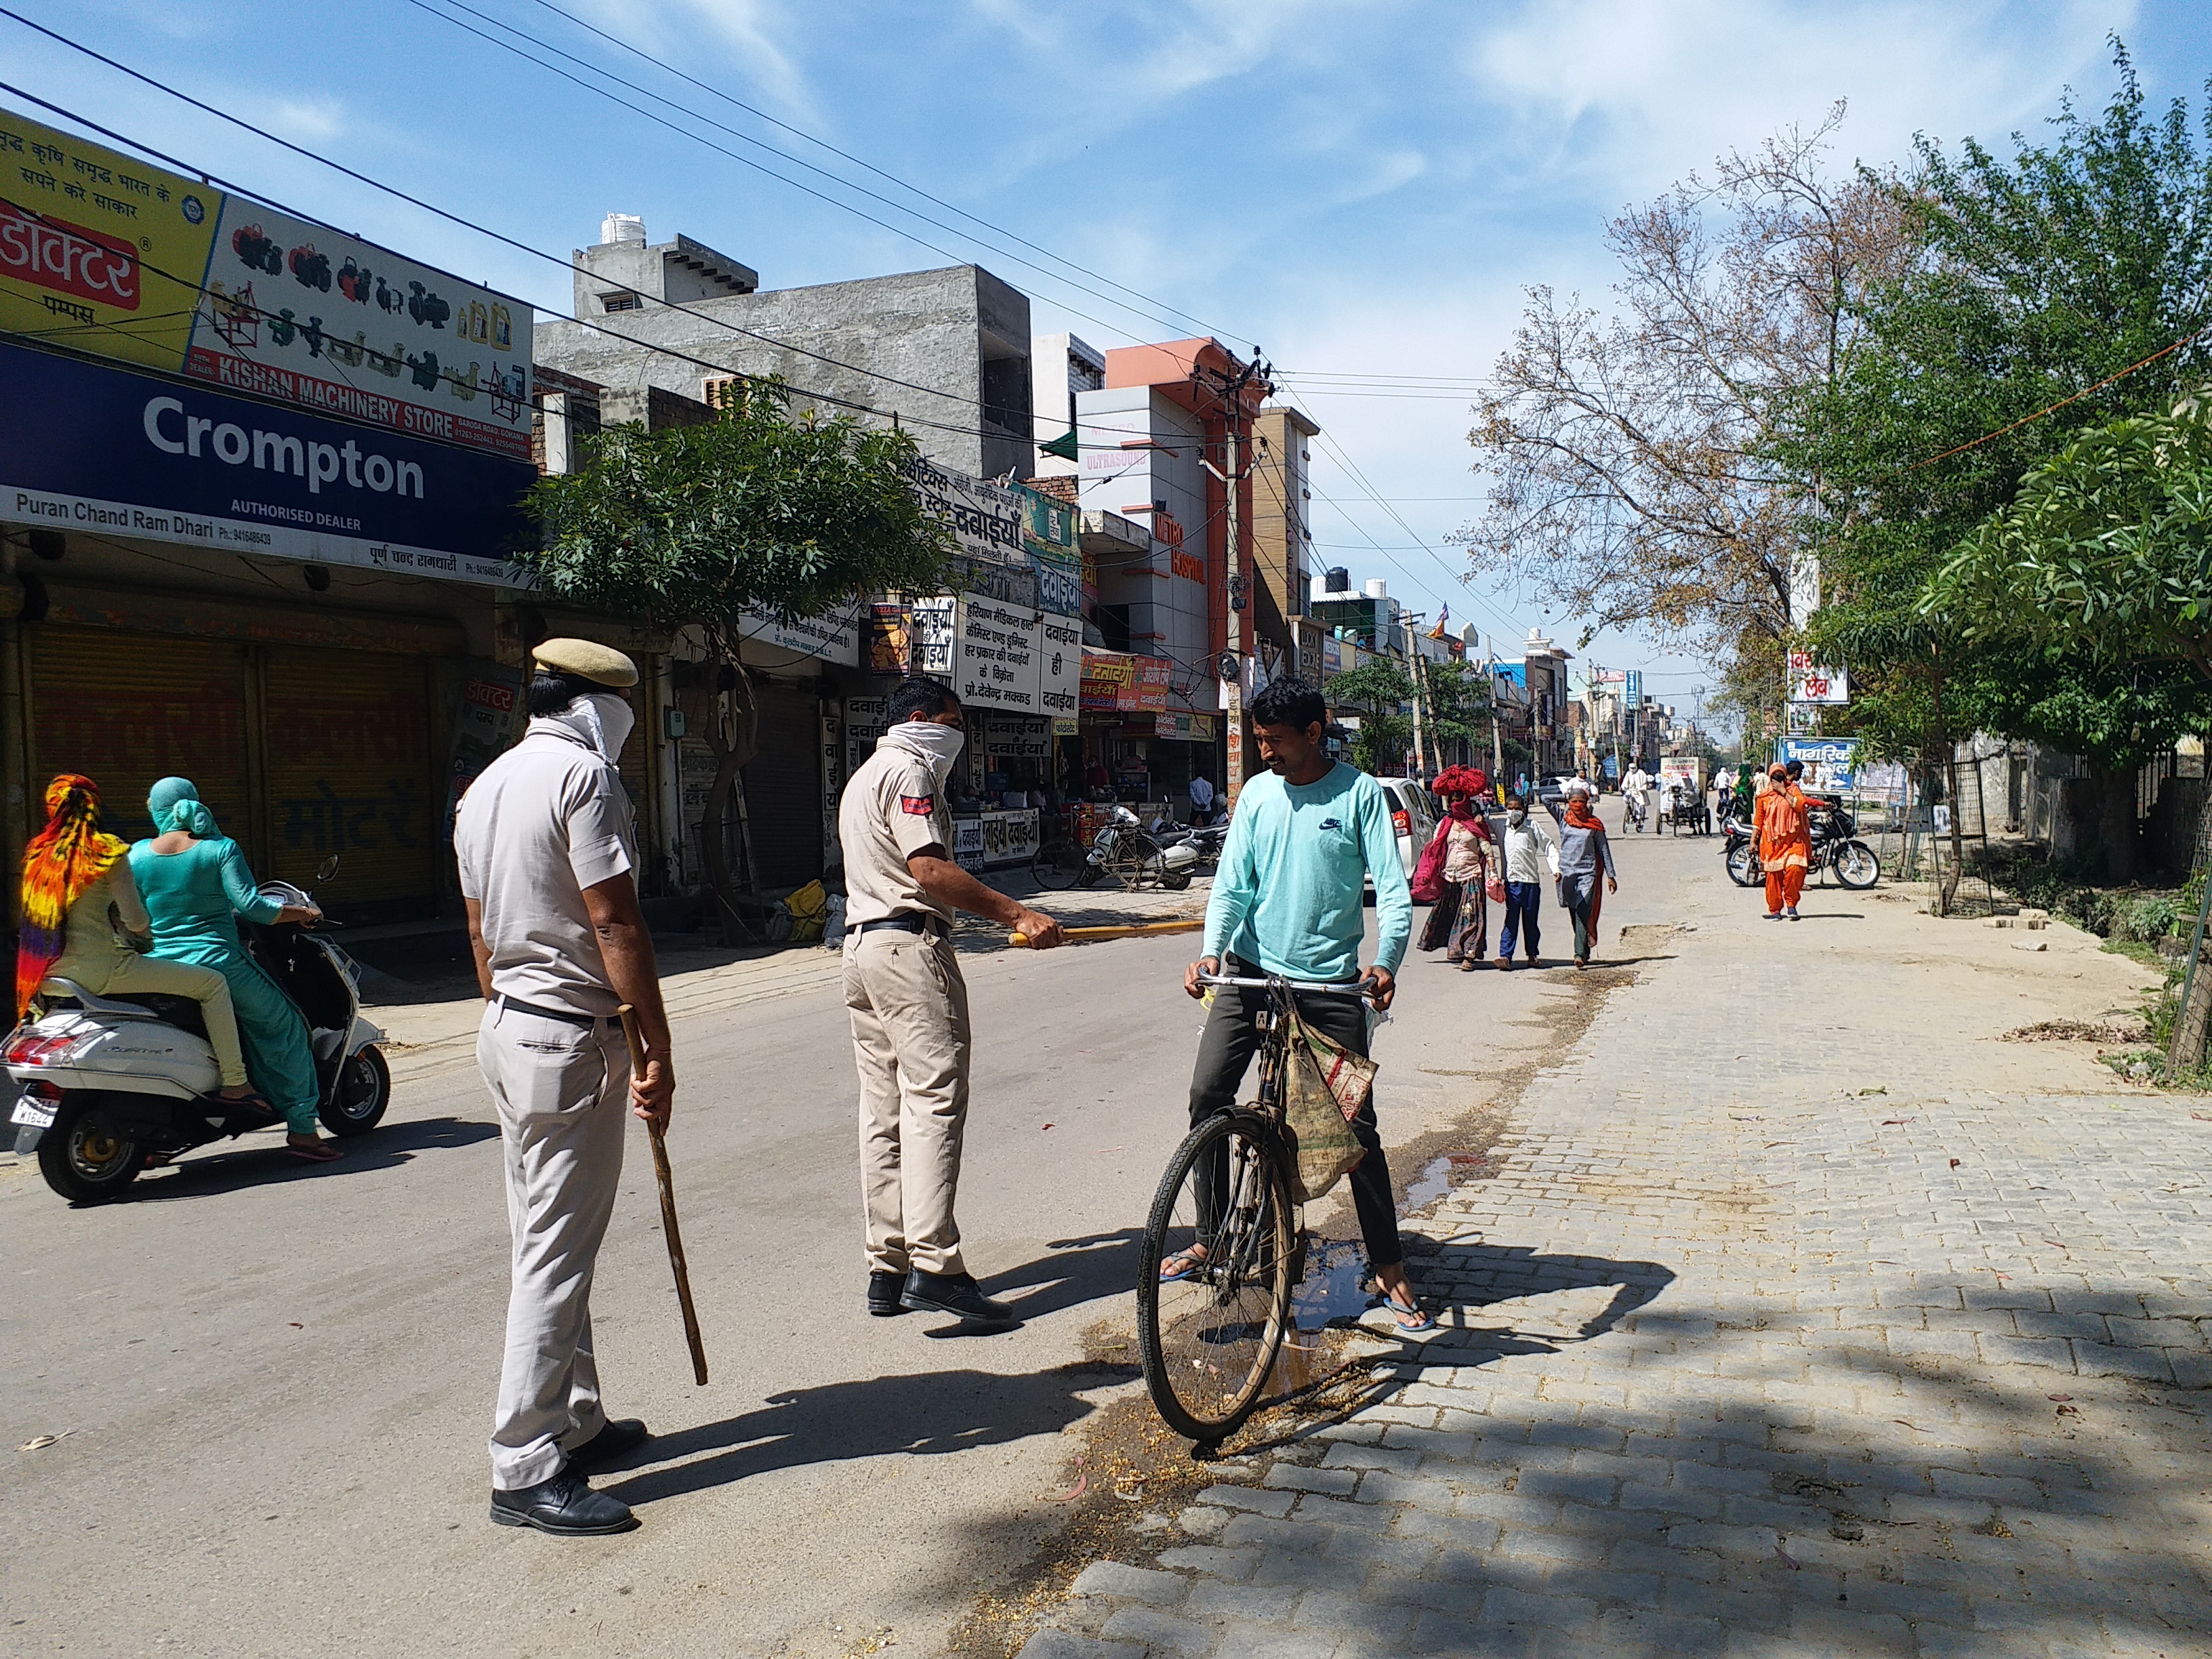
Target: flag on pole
[1443,616]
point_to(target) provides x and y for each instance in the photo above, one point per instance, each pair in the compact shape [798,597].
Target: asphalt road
[275,1381]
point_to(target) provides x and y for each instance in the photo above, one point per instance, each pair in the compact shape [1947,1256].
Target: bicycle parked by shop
[1227,1208]
[1122,850]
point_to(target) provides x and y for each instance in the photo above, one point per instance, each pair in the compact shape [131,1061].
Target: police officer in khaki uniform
[910,1005]
[547,863]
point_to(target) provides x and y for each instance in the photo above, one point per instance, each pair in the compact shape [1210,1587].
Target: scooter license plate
[32,1113]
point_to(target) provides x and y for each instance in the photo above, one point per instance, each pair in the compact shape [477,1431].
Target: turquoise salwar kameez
[195,896]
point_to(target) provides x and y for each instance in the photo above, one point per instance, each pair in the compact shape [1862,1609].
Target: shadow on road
[923,1415]
[265,1163]
[1080,1270]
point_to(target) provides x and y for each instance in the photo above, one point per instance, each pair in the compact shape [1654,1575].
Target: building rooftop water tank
[622,228]
[1377,588]
[1336,579]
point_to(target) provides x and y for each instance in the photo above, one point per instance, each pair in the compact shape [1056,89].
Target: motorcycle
[1635,808]
[1835,849]
[110,1085]
[1196,849]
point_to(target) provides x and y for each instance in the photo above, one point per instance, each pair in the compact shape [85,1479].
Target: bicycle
[1121,849]
[1226,1208]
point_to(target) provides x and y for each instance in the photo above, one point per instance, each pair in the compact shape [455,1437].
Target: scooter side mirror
[329,868]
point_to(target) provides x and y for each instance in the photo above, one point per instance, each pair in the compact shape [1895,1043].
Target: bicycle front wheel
[1139,861]
[1058,866]
[1209,1340]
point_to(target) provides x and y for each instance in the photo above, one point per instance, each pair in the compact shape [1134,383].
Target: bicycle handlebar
[1355,988]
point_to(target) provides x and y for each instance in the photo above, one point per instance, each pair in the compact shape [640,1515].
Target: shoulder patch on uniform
[920,806]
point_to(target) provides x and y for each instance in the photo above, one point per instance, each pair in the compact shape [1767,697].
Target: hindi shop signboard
[995,658]
[1117,681]
[1814,684]
[86,447]
[110,257]
[1828,761]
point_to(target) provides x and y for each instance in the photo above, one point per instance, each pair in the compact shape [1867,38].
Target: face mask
[616,720]
[939,745]
[1516,816]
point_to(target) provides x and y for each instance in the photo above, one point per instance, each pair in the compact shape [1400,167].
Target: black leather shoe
[883,1294]
[613,1442]
[957,1294]
[565,1506]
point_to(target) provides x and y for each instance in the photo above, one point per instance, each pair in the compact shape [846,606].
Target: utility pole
[1497,737]
[1231,390]
[1413,673]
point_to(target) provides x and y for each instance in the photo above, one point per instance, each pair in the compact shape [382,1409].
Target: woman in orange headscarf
[74,877]
[1783,831]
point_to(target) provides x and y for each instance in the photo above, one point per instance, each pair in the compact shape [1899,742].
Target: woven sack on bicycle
[1326,1086]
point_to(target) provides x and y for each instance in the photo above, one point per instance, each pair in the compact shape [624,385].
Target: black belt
[908,923]
[582,1021]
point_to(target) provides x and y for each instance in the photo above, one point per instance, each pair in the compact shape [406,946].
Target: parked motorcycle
[1202,845]
[108,1084]
[1835,848]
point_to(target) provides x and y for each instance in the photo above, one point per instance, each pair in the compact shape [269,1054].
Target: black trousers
[1225,1054]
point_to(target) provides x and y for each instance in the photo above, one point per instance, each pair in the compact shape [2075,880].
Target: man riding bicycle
[1305,839]
[1635,795]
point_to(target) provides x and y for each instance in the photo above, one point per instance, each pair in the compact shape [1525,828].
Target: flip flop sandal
[321,1152]
[1185,1263]
[1422,1319]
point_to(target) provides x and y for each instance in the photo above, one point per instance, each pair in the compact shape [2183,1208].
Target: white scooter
[108,1084]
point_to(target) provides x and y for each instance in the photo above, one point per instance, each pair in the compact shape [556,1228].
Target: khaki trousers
[562,1094]
[911,1045]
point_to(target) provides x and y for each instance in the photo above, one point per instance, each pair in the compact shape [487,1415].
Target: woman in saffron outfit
[1459,922]
[1784,832]
[196,885]
[73,876]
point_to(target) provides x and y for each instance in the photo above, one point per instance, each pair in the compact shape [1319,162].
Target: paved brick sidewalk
[1745,1357]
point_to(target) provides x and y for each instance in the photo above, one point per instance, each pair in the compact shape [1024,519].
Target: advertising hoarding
[1829,761]
[115,258]
[1118,680]
[833,637]
[89,447]
[1817,683]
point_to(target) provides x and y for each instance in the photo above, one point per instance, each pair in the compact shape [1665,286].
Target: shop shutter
[783,786]
[128,709]
[350,773]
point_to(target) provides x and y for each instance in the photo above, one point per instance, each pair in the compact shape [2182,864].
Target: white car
[1412,816]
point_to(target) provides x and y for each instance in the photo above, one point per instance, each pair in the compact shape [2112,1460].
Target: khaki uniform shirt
[892,809]
[542,823]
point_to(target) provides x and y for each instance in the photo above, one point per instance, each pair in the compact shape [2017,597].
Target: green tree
[2035,279]
[1379,691]
[1458,711]
[710,528]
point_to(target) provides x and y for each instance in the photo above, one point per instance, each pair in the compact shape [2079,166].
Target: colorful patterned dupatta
[63,859]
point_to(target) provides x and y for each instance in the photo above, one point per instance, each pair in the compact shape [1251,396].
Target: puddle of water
[1436,1178]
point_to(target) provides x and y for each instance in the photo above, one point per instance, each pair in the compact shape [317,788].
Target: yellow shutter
[350,772]
[128,709]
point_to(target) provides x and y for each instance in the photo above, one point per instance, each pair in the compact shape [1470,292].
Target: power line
[498,236]
[744,161]
[1013,236]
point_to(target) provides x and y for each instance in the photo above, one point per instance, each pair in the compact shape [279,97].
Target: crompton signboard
[85,447]
[110,257]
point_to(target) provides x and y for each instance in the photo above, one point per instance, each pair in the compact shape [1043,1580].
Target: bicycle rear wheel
[1208,1341]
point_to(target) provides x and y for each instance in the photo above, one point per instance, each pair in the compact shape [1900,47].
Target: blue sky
[1362,189]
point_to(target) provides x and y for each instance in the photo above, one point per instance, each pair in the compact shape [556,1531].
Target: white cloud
[1636,93]
[307,122]
[754,29]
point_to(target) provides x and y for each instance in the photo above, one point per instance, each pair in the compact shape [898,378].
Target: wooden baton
[1132,931]
[637,1042]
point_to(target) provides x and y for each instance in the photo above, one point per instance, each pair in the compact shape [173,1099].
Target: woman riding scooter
[73,876]
[196,885]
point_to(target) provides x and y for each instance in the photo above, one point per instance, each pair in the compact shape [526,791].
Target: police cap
[587,659]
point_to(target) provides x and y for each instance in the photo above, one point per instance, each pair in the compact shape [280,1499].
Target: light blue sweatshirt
[1287,897]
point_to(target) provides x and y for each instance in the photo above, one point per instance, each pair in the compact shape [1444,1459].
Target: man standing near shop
[909,1004]
[543,842]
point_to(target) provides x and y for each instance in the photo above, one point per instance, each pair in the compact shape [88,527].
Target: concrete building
[1544,676]
[947,351]
[1062,368]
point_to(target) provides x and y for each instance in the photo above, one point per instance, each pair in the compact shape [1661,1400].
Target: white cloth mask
[603,720]
[939,745]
